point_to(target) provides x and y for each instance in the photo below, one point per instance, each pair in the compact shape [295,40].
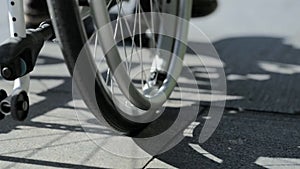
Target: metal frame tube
[18,29]
[16,18]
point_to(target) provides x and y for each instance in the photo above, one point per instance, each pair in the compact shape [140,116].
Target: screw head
[6,72]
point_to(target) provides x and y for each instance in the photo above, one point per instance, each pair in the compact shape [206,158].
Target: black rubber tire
[70,34]
[69,31]
[3,95]
[203,7]
[19,105]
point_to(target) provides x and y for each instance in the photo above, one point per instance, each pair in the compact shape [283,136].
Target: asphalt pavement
[258,129]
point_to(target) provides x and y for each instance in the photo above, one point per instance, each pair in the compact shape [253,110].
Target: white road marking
[200,150]
[278,163]
[189,131]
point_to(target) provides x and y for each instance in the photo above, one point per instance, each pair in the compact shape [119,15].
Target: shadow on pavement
[265,72]
[53,99]
[44,163]
[240,140]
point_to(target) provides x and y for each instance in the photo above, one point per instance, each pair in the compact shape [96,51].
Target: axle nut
[6,72]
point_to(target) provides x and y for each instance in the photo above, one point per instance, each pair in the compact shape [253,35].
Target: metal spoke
[148,25]
[85,12]
[109,3]
[132,36]
[141,51]
[139,19]
[122,33]
[133,45]
[95,49]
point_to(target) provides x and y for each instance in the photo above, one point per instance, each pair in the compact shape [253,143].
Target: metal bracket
[18,55]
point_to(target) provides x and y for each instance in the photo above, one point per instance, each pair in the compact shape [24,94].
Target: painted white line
[188,132]
[278,163]
[200,150]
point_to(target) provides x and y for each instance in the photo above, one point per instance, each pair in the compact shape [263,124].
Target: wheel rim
[121,75]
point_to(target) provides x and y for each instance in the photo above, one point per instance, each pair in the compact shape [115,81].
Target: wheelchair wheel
[129,88]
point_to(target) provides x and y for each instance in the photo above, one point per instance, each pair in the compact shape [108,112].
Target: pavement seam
[148,162]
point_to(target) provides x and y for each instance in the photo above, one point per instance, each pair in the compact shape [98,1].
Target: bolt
[25,106]
[6,72]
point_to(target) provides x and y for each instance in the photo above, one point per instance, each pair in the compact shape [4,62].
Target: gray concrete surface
[52,136]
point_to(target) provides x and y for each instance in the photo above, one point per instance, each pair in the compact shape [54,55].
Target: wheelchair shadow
[53,98]
[57,97]
[262,71]
[258,128]
[242,140]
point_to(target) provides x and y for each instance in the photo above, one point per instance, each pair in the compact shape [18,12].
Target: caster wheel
[2,116]
[3,94]
[19,106]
